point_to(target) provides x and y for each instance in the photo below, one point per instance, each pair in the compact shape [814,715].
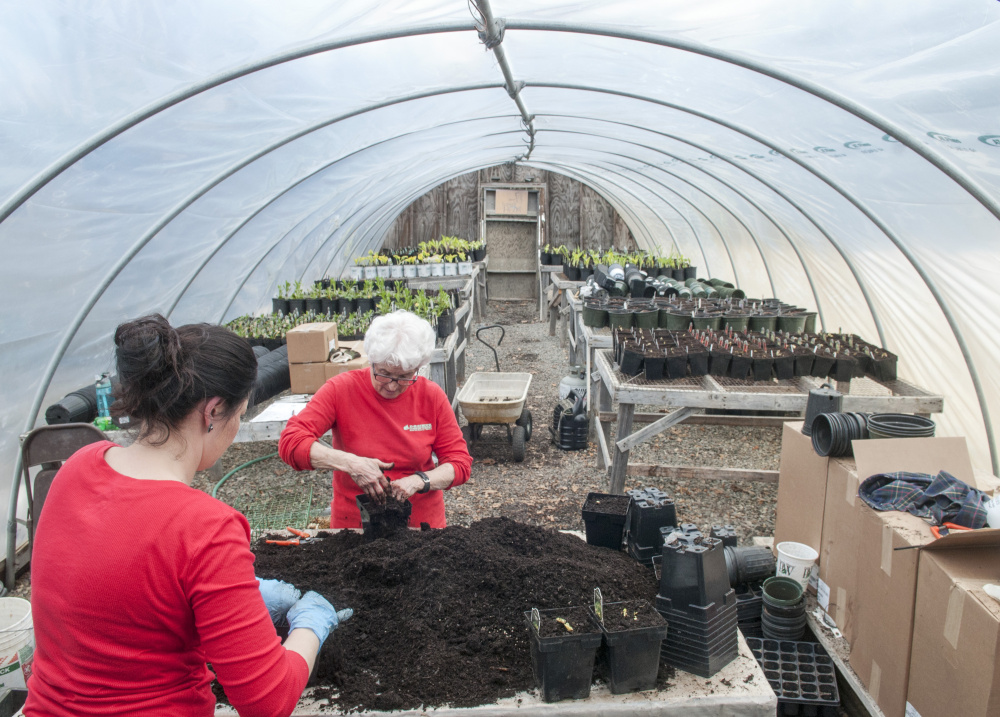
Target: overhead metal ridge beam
[491,33]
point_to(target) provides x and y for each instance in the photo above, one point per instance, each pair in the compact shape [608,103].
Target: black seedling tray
[801,674]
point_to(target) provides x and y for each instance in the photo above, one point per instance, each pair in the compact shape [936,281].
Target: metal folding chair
[47,447]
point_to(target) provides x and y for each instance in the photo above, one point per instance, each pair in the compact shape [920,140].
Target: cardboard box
[838,555]
[954,664]
[333,369]
[801,489]
[886,580]
[311,343]
[307,377]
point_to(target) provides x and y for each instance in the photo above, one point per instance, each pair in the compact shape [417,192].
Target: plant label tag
[599,604]
[536,619]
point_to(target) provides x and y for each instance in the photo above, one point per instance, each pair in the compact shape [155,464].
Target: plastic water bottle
[104,397]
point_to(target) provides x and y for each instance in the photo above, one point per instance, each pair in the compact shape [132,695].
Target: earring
[210,427]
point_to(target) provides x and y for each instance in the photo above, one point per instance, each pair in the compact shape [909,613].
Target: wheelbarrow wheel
[518,443]
[525,420]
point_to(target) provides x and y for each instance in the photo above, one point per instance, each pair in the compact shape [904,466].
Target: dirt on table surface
[439,614]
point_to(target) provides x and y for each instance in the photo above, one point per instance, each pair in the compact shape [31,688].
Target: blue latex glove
[315,613]
[278,597]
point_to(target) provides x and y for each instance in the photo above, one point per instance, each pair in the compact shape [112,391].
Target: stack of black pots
[832,433]
[649,510]
[697,602]
[784,609]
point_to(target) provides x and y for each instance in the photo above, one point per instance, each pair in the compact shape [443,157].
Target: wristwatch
[427,481]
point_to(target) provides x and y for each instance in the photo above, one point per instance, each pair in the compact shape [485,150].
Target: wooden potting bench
[685,395]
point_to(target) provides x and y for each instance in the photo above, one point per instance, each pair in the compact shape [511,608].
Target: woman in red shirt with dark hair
[138,579]
[386,423]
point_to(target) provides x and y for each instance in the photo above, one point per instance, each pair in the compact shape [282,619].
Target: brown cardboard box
[307,377]
[954,663]
[311,343]
[801,489]
[333,369]
[886,583]
[838,556]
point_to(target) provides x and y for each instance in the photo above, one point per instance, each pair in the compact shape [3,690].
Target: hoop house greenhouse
[188,158]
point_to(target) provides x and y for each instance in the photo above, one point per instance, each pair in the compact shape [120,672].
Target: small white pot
[396,271]
[423,270]
[437,269]
[451,269]
[356,273]
[383,271]
[371,272]
[410,271]
[464,268]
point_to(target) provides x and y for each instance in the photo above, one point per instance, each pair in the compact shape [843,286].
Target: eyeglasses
[383,379]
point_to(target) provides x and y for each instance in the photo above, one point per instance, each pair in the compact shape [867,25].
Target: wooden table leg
[604,401]
[619,458]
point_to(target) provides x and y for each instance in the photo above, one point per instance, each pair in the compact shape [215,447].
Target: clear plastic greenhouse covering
[183,157]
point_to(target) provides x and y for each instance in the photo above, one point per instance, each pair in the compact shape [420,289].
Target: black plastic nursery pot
[329,306]
[690,272]
[446,323]
[620,318]
[718,362]
[822,365]
[646,318]
[633,654]
[365,305]
[698,362]
[480,254]
[279,306]
[653,363]
[604,519]
[762,368]
[803,362]
[784,365]
[572,272]
[595,316]
[739,366]
[677,365]
[563,664]
[297,305]
[314,305]
[631,361]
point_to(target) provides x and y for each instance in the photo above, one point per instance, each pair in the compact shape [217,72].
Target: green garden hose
[239,468]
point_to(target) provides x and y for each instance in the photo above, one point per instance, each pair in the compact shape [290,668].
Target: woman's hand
[403,488]
[367,473]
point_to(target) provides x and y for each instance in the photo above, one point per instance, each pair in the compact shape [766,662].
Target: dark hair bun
[164,373]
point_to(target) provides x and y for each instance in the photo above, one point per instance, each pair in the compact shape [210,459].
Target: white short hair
[400,339]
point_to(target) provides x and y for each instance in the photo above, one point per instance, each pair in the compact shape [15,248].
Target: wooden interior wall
[574,210]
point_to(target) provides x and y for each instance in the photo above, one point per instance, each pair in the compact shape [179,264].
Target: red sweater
[135,585]
[403,430]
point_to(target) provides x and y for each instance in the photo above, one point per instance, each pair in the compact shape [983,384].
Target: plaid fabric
[938,499]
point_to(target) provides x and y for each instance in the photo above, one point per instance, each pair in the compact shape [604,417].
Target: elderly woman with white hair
[386,423]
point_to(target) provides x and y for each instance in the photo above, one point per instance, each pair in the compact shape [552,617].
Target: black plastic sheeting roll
[79,406]
[272,375]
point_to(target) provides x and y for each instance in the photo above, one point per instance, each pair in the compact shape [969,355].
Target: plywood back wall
[573,210]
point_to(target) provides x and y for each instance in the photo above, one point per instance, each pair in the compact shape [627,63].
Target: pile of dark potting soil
[439,614]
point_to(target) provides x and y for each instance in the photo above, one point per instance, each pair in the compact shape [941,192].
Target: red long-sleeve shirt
[136,584]
[403,430]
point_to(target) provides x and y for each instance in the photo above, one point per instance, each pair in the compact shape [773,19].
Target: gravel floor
[550,486]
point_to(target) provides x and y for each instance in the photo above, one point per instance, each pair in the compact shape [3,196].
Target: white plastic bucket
[17,642]
[796,561]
